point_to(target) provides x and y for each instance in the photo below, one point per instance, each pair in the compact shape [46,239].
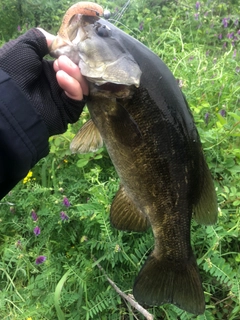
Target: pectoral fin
[88,139]
[206,209]
[124,215]
[125,128]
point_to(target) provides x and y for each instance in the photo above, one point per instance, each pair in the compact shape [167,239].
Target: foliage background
[200,44]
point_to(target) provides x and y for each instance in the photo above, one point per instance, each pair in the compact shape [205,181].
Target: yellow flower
[28,177]
[29,318]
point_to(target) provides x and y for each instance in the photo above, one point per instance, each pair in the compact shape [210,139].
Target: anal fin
[88,139]
[124,215]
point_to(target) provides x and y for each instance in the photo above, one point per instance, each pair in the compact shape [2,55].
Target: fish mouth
[113,90]
[113,87]
[71,33]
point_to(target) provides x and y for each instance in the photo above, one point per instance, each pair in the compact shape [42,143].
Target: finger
[70,85]
[49,37]
[56,66]
[65,64]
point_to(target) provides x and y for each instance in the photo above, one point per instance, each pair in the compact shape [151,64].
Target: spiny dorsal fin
[124,215]
[88,139]
[161,281]
[206,209]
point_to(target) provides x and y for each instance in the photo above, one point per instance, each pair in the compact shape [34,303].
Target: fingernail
[71,64]
[56,65]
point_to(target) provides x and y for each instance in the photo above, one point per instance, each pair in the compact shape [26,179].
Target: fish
[142,117]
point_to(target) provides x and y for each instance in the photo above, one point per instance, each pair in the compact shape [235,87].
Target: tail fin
[160,282]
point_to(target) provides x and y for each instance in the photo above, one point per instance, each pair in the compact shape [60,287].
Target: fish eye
[102,30]
[106,14]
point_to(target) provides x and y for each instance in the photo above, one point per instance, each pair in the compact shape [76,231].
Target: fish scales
[153,171]
[149,175]
[143,118]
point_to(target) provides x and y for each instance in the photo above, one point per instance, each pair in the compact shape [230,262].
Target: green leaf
[221,119]
[82,163]
[57,294]
[234,115]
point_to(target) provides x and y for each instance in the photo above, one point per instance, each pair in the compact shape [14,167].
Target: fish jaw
[83,8]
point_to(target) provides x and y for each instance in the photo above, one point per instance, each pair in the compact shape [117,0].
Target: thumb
[49,37]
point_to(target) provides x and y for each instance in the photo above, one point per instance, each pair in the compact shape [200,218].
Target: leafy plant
[49,260]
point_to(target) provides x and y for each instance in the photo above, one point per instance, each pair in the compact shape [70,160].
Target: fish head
[101,57]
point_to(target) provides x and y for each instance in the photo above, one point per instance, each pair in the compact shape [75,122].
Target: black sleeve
[23,135]
[22,59]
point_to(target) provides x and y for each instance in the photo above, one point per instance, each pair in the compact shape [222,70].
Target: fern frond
[221,270]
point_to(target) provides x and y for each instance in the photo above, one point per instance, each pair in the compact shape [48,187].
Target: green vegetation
[68,196]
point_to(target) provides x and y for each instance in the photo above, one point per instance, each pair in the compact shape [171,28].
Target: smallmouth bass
[141,115]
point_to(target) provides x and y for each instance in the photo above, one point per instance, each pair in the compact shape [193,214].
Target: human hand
[68,74]
[54,89]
